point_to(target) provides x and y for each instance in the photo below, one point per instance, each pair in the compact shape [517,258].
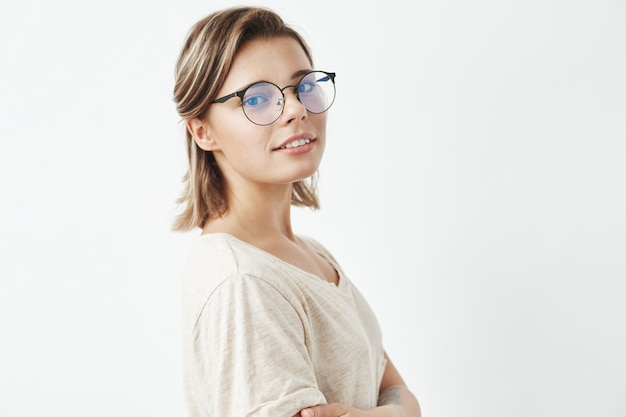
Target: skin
[258,177]
[394,400]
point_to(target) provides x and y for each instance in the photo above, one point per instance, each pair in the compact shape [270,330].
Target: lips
[296,141]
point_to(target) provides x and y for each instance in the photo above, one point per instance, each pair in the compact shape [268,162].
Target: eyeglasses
[263,102]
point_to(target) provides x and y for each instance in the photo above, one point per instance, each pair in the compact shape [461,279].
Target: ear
[200,132]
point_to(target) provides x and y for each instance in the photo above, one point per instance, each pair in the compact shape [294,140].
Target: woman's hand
[340,410]
[390,409]
[394,400]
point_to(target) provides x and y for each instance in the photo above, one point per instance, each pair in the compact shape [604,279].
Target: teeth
[297,142]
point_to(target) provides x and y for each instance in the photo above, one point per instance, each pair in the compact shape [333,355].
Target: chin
[308,173]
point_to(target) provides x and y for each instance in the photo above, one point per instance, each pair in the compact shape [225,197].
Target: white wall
[474,188]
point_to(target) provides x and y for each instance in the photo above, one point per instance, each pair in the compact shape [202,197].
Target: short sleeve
[248,355]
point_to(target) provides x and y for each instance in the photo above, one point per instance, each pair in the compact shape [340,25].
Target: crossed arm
[394,400]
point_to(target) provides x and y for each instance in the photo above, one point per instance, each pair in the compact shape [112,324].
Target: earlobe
[201,135]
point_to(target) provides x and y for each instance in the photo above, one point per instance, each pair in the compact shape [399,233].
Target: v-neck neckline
[274,258]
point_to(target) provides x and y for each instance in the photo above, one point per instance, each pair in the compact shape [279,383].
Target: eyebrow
[300,73]
[296,74]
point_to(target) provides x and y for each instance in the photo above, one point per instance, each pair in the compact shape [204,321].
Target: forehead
[275,59]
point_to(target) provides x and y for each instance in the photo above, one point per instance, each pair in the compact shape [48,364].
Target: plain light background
[474,189]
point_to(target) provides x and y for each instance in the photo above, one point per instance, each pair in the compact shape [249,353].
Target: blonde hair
[202,67]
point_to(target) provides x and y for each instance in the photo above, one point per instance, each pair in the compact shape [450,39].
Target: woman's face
[250,153]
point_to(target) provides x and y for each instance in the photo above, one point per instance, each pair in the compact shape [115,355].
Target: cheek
[319,121]
[319,118]
[241,142]
[230,131]
[224,120]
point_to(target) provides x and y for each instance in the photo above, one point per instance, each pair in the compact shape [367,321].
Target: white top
[262,337]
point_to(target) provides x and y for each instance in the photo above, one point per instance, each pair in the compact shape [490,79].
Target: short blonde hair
[201,70]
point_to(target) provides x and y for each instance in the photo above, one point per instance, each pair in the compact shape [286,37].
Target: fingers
[325,410]
[308,412]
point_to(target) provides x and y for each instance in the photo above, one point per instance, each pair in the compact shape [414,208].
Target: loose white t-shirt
[262,337]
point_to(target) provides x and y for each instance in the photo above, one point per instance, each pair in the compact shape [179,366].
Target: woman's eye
[254,101]
[306,87]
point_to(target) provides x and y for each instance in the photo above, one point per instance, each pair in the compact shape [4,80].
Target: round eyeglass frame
[241,95]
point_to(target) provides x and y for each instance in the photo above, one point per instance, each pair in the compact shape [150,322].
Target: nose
[293,108]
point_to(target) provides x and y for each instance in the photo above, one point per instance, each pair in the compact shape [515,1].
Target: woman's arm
[394,400]
[395,396]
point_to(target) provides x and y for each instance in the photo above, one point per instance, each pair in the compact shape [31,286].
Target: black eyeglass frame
[241,94]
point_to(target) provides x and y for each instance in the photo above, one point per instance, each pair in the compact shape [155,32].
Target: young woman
[272,326]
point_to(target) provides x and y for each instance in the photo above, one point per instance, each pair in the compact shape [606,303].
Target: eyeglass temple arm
[329,76]
[228,97]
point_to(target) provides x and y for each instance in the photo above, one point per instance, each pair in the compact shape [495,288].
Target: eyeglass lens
[263,102]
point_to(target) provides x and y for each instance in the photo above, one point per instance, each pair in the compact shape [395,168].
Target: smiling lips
[296,143]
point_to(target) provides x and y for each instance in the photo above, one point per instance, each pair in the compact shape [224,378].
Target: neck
[256,215]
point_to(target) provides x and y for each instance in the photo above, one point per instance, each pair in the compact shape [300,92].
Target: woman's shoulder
[221,265]
[216,256]
[224,254]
